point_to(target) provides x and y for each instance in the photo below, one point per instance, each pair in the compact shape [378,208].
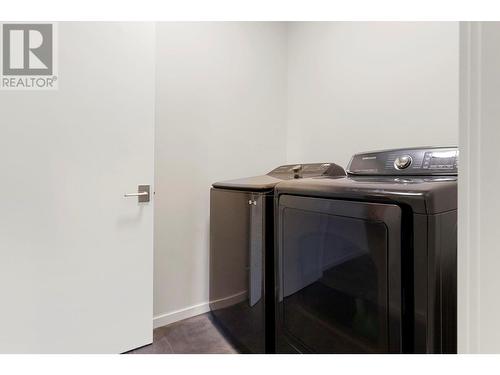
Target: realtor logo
[28,56]
[27,49]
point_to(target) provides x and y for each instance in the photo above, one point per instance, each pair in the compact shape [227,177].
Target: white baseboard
[230,300]
[175,316]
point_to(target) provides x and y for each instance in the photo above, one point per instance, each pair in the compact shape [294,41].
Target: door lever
[142,194]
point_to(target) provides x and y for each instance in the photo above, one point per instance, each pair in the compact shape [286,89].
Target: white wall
[220,114]
[479,203]
[359,86]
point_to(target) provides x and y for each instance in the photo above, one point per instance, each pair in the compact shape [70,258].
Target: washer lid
[256,183]
[281,173]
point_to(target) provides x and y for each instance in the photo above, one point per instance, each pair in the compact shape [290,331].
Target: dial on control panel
[402,162]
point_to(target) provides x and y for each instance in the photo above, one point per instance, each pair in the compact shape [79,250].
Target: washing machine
[366,263]
[241,254]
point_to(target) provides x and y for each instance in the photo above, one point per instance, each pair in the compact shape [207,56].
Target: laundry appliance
[241,254]
[366,263]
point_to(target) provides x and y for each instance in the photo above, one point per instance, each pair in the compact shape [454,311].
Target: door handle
[136,194]
[142,194]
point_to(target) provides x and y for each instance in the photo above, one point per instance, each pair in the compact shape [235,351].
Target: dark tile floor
[196,335]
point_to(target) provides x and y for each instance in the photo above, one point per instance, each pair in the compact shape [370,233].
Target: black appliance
[366,263]
[241,254]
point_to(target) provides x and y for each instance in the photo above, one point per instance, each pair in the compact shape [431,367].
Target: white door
[76,256]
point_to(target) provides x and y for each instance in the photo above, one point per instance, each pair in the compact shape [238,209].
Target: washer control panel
[412,161]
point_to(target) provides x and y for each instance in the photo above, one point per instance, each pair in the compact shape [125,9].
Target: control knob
[402,162]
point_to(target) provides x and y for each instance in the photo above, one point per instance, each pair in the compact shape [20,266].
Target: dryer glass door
[339,272]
